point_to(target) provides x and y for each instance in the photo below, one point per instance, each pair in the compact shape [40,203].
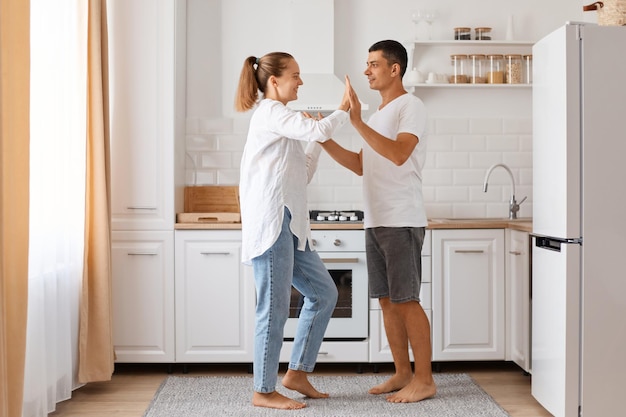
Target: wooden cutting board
[212,199]
[211,204]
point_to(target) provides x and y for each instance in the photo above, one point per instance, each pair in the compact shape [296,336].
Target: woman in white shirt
[275,170]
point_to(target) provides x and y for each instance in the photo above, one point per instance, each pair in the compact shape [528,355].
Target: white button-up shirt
[275,171]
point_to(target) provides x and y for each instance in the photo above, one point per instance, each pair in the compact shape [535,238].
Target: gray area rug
[457,396]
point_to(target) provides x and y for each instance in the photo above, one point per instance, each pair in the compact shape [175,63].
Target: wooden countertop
[523,224]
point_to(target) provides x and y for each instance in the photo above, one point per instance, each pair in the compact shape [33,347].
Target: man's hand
[355,104]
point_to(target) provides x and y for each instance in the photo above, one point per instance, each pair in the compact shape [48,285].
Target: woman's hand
[345,100]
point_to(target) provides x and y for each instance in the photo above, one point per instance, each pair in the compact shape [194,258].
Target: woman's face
[286,86]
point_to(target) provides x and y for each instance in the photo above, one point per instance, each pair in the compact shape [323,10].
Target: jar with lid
[495,69]
[513,69]
[527,63]
[482,34]
[462,34]
[476,64]
[459,68]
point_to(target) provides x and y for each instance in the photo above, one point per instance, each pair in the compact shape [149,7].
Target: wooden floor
[129,393]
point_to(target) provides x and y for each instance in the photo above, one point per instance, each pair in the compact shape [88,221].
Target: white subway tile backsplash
[502,143]
[452,160]
[459,153]
[438,143]
[485,126]
[517,126]
[451,126]
[452,194]
[468,142]
[216,160]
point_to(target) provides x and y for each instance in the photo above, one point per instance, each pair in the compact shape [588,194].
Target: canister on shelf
[482,34]
[495,70]
[459,64]
[513,73]
[477,68]
[527,62]
[462,34]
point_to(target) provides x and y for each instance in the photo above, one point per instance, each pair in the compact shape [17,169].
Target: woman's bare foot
[275,400]
[394,383]
[298,381]
[415,391]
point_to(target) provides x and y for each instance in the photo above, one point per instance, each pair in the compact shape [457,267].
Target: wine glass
[416,17]
[429,17]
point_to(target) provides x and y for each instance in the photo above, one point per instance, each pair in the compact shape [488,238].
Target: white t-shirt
[393,194]
[275,171]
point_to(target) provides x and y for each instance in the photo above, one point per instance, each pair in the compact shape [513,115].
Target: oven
[343,253]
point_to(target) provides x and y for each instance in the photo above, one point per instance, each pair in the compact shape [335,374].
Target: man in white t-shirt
[391,161]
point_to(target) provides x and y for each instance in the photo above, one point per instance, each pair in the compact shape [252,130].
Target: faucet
[513,205]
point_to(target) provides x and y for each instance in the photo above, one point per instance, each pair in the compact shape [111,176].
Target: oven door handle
[340,260]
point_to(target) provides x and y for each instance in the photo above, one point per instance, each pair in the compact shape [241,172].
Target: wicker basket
[610,12]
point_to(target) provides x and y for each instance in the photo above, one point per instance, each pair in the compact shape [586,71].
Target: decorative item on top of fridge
[610,12]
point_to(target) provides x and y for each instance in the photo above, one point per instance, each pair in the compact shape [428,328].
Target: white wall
[470,129]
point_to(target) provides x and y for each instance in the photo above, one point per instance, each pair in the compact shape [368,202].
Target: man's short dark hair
[394,52]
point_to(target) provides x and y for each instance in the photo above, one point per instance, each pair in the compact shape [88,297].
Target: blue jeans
[280,267]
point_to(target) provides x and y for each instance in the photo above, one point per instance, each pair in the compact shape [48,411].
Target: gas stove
[336,216]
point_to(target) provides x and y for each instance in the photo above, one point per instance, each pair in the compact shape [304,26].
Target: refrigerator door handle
[554,243]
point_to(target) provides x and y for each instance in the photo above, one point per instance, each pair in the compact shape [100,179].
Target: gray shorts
[394,262]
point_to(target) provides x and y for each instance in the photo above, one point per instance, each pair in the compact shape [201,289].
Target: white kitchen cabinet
[143,296]
[147,86]
[215,298]
[468,311]
[518,255]
[146,47]
[379,350]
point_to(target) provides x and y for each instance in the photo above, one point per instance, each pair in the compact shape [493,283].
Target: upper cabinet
[147,90]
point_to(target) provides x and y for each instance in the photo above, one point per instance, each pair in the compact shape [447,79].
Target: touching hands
[355,104]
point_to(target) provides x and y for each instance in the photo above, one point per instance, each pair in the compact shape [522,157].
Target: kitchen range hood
[312,28]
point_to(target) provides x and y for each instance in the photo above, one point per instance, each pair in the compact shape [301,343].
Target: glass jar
[527,63]
[513,69]
[482,34]
[462,34]
[476,64]
[459,68]
[495,69]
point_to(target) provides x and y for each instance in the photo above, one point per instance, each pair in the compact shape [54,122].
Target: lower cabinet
[143,296]
[378,345]
[215,298]
[518,266]
[468,305]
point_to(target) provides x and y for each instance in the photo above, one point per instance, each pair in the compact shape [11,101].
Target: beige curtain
[95,337]
[14,174]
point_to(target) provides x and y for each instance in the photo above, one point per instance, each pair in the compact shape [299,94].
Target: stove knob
[332,218]
[354,218]
[320,218]
[337,242]
[342,218]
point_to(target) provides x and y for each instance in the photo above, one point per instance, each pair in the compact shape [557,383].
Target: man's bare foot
[275,400]
[298,381]
[394,383]
[415,391]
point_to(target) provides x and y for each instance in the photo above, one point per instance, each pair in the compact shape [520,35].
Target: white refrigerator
[579,221]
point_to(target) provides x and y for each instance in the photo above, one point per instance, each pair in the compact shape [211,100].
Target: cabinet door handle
[141,208]
[469,251]
[214,253]
[340,260]
[142,254]
[322,353]
[515,252]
